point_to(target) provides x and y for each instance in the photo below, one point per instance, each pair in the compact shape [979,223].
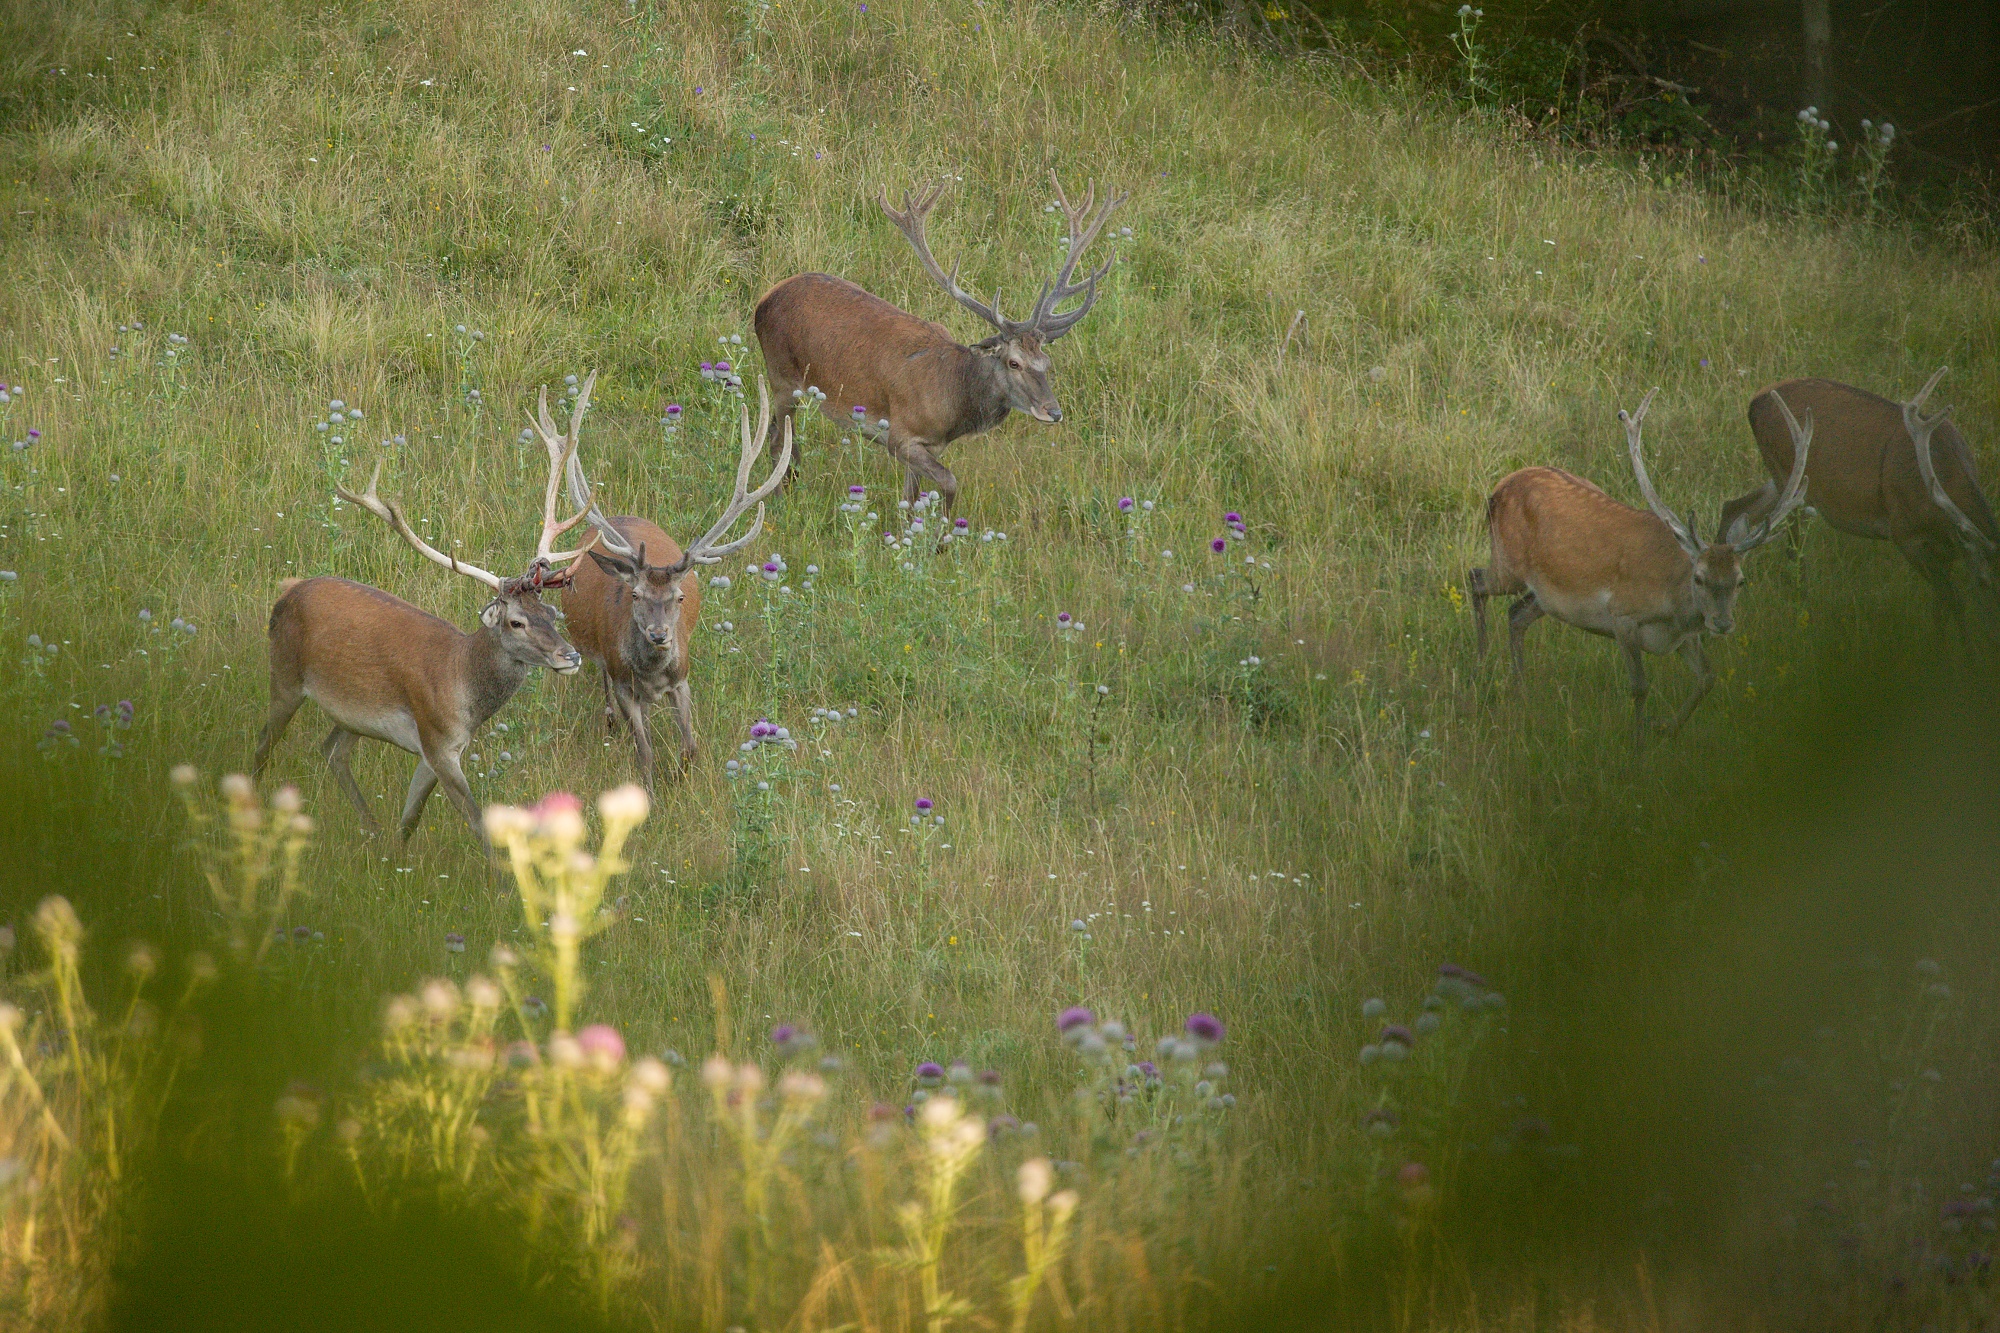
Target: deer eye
[517,624]
[1013,364]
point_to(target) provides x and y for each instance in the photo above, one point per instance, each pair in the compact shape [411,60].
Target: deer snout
[1721,624]
[1048,416]
[568,662]
[657,637]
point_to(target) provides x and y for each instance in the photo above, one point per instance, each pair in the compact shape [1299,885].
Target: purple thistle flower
[771,567]
[708,365]
[454,942]
[859,411]
[302,932]
[930,1071]
[989,1078]
[1233,519]
[1463,974]
[1062,617]
[1704,363]
[1398,1033]
[961,523]
[1219,545]
[1069,1020]
[34,435]
[1205,1028]
[783,1034]
[1149,1069]
[60,725]
[857,489]
[923,803]
[673,409]
[1125,504]
[722,366]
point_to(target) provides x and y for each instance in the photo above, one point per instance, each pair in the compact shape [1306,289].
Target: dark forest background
[1704,75]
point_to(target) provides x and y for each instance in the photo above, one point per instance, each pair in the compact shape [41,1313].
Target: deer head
[1716,568]
[1018,348]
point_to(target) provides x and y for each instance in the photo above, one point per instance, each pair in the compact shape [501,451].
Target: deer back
[1862,476]
[1574,545]
[597,608]
[360,651]
[859,350]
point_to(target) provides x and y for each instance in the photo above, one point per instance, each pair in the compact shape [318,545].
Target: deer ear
[616,566]
[490,617]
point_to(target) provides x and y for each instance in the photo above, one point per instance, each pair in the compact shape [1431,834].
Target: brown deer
[1564,548]
[382,668]
[632,608]
[906,382]
[1868,480]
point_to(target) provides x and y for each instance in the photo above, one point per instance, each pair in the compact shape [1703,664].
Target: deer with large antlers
[384,669]
[1563,548]
[632,608]
[1882,469]
[905,381]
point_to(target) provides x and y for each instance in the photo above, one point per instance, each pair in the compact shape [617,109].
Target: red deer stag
[1867,479]
[382,668]
[906,382]
[1564,548]
[632,608]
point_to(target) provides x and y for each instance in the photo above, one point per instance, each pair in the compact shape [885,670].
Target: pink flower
[602,1046]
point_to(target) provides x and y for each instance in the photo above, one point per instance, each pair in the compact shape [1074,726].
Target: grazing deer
[1648,581]
[632,608]
[382,668]
[906,382]
[1868,480]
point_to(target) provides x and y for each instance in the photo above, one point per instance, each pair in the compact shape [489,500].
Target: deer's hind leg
[338,747]
[1524,612]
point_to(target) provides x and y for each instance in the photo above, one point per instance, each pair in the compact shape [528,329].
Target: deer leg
[1475,584]
[422,783]
[642,742]
[920,462]
[337,747]
[1635,670]
[284,703]
[444,763]
[611,710]
[1935,567]
[684,719]
[1696,657]
[1524,612]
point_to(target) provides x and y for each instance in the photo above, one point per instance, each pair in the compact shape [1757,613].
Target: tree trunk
[1819,36]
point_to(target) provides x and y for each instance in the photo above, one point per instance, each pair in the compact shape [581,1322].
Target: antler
[1633,422]
[1920,427]
[1044,320]
[389,513]
[911,223]
[1794,493]
[562,454]
[703,550]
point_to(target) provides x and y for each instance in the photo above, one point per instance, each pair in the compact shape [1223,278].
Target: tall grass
[317,201]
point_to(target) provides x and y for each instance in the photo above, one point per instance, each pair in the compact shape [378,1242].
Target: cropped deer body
[632,607]
[1564,548]
[1872,476]
[905,381]
[383,669]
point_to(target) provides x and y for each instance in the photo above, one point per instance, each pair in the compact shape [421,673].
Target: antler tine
[1794,493]
[1924,393]
[1634,422]
[580,493]
[562,449]
[704,550]
[1044,319]
[911,223]
[1920,427]
[390,513]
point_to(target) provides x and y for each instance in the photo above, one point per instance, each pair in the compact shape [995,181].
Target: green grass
[316,197]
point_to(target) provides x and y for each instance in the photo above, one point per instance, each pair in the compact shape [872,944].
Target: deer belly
[394,725]
[1596,611]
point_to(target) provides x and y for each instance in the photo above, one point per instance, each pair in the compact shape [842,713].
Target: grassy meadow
[1271,783]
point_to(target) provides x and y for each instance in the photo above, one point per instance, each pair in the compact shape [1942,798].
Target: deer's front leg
[1696,657]
[1635,670]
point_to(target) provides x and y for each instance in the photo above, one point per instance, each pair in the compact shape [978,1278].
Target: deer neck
[985,384]
[490,674]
